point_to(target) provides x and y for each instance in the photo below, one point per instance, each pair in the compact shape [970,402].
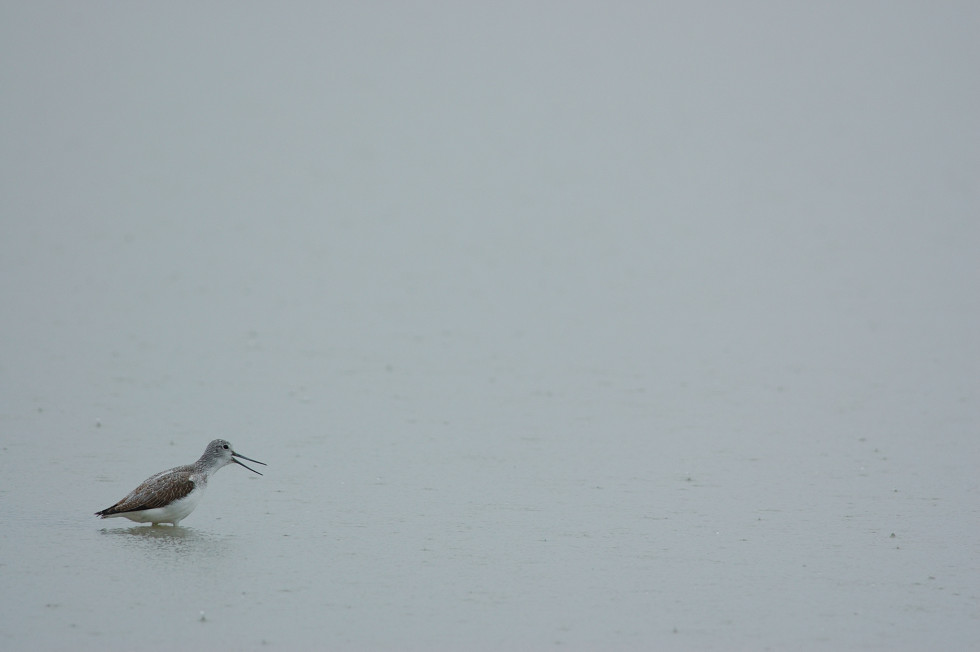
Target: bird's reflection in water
[154,532]
[165,545]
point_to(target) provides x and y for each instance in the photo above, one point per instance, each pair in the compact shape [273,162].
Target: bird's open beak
[234,455]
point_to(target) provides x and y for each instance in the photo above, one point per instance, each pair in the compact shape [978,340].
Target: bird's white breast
[175,511]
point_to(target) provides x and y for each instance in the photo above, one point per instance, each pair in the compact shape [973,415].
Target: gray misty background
[559,324]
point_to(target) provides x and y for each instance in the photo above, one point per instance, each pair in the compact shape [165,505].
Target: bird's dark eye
[225,447]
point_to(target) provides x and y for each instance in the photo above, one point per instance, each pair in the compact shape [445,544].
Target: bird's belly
[175,511]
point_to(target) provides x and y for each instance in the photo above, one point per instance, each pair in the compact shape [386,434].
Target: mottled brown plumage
[156,491]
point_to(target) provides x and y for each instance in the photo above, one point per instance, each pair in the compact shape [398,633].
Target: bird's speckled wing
[156,491]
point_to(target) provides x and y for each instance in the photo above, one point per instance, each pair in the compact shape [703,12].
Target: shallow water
[584,534]
[625,331]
